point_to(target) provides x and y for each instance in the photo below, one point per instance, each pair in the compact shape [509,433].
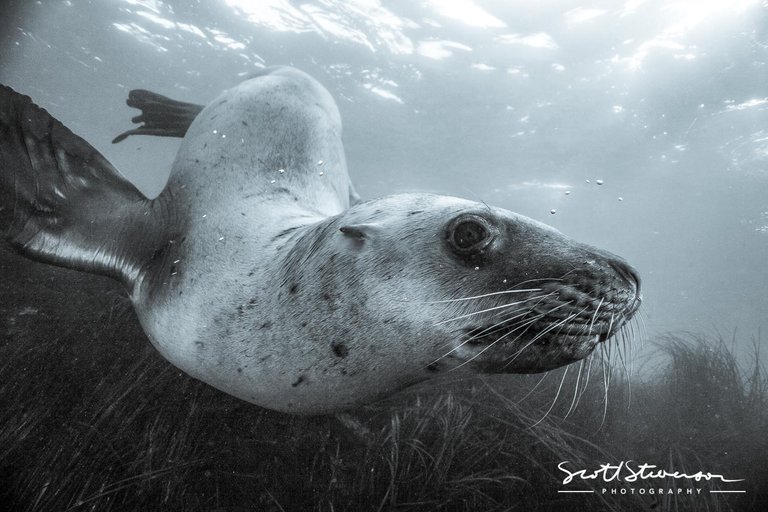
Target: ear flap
[359,231]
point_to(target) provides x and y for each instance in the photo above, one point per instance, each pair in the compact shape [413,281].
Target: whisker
[485,331]
[570,271]
[528,323]
[546,374]
[516,354]
[557,395]
[640,319]
[507,316]
[529,306]
[605,387]
[629,347]
[500,324]
[539,279]
[642,333]
[606,372]
[504,292]
[622,359]
[594,316]
[575,390]
[478,335]
[540,334]
[495,308]
[586,381]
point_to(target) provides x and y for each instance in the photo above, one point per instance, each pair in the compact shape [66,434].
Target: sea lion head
[482,287]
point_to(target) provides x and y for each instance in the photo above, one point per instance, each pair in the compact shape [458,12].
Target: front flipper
[62,202]
[161,115]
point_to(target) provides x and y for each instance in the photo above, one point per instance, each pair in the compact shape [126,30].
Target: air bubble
[281,171]
[553,211]
[321,173]
[320,162]
[621,198]
[272,181]
[599,182]
[567,192]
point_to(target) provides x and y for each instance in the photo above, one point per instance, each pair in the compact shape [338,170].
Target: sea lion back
[274,136]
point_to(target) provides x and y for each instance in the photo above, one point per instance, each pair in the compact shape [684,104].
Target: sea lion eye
[468,234]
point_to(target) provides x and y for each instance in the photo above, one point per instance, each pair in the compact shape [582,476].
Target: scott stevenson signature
[623,471]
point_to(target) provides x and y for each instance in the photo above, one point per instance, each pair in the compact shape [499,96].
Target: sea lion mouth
[567,313]
[542,332]
[562,326]
[526,346]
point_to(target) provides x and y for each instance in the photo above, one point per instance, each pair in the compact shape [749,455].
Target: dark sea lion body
[255,272]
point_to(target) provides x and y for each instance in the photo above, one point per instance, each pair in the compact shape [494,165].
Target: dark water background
[513,103]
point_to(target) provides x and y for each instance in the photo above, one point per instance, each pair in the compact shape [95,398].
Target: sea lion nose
[626,272]
[632,278]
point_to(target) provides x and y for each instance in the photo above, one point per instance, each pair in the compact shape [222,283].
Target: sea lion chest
[259,163]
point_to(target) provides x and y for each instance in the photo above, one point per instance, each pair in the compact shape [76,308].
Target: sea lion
[251,271]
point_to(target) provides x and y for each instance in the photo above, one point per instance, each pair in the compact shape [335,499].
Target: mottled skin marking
[339,349]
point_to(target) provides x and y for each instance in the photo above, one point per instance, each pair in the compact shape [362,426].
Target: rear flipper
[62,202]
[161,116]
